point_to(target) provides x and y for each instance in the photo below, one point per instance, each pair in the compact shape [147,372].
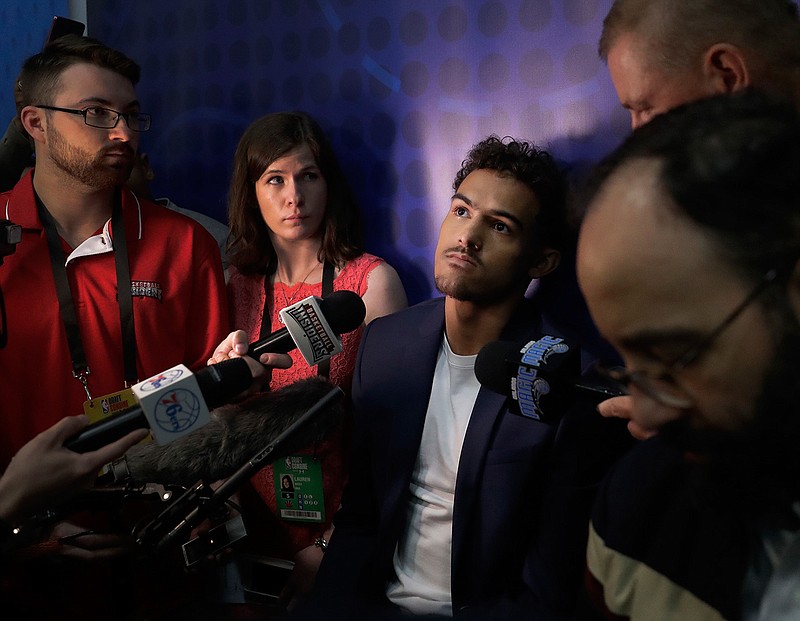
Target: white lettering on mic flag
[310,331]
[527,387]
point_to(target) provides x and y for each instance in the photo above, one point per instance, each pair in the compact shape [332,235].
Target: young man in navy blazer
[455,504]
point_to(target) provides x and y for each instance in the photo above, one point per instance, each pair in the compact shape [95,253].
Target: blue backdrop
[24,24]
[403,89]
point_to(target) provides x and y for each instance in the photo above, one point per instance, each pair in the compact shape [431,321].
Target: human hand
[236,344]
[44,472]
[622,407]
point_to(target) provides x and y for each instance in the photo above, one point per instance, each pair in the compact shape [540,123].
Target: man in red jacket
[105,288]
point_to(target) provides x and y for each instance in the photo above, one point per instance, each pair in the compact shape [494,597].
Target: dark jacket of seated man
[522,495]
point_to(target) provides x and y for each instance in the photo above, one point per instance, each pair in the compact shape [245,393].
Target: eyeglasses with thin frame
[664,387]
[106,118]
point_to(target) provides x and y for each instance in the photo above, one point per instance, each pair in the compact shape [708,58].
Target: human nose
[649,414]
[469,235]
[640,118]
[294,193]
[121,131]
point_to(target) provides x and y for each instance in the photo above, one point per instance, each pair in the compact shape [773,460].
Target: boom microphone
[171,404]
[313,325]
[234,434]
[540,377]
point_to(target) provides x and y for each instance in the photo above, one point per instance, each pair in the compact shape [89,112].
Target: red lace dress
[246,293]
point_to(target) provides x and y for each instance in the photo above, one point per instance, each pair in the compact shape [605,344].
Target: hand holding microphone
[312,325]
[235,346]
[175,402]
[43,472]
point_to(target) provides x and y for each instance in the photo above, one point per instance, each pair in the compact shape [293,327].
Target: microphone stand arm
[201,502]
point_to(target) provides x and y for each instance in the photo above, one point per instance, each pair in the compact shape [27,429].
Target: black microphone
[171,404]
[197,503]
[313,325]
[234,434]
[541,377]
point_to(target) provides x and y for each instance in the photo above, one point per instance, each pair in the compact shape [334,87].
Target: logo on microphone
[157,382]
[305,315]
[528,387]
[177,410]
[173,403]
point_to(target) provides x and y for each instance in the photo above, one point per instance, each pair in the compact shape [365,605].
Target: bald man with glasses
[689,258]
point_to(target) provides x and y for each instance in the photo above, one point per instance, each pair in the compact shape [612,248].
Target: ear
[33,121]
[725,68]
[548,261]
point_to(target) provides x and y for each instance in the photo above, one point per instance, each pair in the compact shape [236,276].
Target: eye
[311,176]
[100,114]
[460,211]
[501,227]
[667,354]
[276,180]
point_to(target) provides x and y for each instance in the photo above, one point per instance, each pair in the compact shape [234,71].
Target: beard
[478,293]
[91,170]
[484,291]
[756,469]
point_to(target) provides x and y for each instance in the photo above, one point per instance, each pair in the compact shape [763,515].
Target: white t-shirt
[422,557]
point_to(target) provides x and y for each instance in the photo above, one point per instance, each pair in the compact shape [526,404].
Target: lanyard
[66,303]
[324,367]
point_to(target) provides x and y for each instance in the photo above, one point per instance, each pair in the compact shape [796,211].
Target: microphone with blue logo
[540,377]
[171,404]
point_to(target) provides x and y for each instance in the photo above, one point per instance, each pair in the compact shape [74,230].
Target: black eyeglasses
[106,118]
[664,387]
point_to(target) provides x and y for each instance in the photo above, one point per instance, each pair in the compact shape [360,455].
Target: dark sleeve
[345,578]
[550,582]
[585,448]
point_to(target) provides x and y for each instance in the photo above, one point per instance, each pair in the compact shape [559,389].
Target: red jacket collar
[19,206]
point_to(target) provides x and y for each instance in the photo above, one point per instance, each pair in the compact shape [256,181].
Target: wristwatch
[321,543]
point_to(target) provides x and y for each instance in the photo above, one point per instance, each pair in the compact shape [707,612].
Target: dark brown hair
[41,73]
[265,141]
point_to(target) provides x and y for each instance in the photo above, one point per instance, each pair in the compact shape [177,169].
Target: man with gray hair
[662,53]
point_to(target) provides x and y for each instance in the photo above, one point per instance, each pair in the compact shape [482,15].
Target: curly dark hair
[269,138]
[534,167]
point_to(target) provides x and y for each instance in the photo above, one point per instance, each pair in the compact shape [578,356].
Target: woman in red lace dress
[291,212]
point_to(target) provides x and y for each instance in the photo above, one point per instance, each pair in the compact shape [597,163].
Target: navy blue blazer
[523,491]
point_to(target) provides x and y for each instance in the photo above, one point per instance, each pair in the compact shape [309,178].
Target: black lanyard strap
[323,368]
[66,303]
